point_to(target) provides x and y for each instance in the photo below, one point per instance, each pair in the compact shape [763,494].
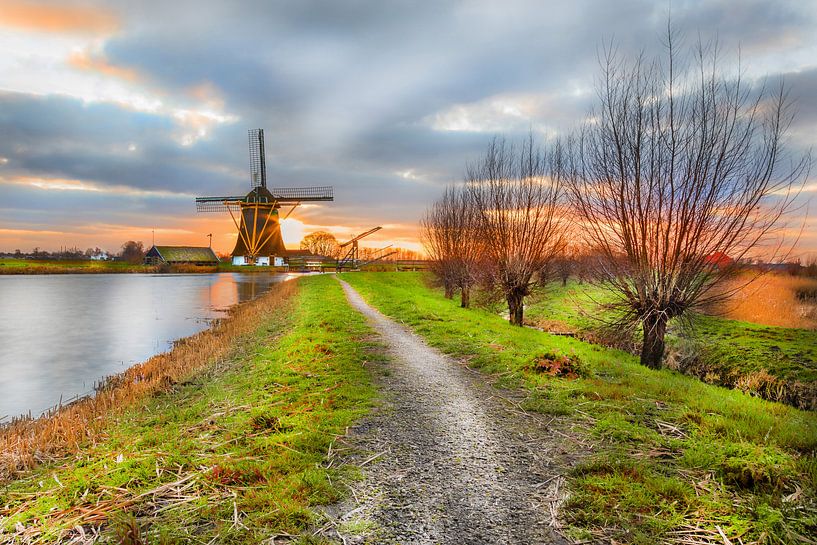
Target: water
[61,333]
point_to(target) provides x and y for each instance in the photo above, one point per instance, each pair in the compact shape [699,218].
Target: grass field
[669,458]
[37,266]
[778,363]
[233,454]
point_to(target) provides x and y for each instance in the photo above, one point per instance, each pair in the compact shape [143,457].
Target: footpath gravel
[448,458]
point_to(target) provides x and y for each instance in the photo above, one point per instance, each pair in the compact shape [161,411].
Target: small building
[177,255]
[101,256]
[719,260]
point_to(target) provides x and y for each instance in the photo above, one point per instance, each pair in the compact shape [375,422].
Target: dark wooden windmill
[256,214]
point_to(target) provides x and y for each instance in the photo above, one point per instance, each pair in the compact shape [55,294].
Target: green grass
[668,451]
[728,349]
[45,266]
[251,435]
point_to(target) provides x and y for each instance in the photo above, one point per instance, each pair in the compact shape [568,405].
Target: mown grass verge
[232,454]
[669,458]
[776,363]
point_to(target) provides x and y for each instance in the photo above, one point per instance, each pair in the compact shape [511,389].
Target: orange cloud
[82,60]
[48,18]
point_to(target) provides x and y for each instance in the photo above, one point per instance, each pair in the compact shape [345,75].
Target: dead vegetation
[26,442]
[84,521]
[778,300]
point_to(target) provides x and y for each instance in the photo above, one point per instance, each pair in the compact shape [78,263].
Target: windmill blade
[258,165]
[216,204]
[303,194]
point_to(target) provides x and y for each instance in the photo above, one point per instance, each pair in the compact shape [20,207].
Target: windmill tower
[256,214]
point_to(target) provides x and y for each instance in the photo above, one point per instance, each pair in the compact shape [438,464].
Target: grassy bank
[47,266]
[777,363]
[231,453]
[669,458]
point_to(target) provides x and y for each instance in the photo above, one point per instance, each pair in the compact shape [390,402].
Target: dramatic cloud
[40,16]
[115,114]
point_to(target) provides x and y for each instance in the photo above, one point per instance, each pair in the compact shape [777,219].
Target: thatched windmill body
[256,214]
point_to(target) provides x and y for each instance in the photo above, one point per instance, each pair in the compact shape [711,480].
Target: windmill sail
[256,214]
[258,165]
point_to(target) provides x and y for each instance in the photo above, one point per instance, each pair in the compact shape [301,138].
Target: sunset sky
[114,115]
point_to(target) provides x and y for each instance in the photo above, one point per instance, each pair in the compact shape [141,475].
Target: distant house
[719,260]
[101,256]
[176,255]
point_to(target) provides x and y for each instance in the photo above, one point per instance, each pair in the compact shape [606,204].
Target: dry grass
[773,300]
[26,442]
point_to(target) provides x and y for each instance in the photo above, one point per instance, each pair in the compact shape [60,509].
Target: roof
[719,259]
[190,254]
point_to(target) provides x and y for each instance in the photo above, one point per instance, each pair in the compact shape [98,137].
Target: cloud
[85,60]
[44,17]
[386,101]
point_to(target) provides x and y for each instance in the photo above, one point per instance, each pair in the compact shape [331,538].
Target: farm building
[719,260]
[175,255]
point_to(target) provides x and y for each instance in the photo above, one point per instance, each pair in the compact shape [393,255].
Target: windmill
[255,215]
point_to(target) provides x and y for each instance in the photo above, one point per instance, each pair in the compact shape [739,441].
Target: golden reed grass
[772,300]
[26,442]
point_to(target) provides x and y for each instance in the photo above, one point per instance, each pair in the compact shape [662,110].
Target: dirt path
[458,462]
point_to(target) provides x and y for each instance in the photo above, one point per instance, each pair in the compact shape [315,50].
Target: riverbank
[51,266]
[246,444]
[224,445]
[669,459]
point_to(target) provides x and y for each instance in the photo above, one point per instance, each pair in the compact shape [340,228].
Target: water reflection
[61,333]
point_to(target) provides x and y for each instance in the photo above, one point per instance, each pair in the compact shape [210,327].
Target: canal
[59,334]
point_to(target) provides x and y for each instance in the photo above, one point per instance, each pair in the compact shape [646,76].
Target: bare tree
[677,164]
[321,243]
[450,237]
[133,252]
[517,191]
[567,263]
[436,236]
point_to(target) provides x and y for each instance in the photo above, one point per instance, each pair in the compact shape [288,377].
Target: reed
[26,442]
[776,300]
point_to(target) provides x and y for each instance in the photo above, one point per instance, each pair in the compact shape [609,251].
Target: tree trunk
[449,291]
[465,297]
[515,307]
[652,352]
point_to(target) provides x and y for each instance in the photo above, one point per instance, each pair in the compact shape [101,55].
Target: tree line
[676,162]
[131,251]
[325,244]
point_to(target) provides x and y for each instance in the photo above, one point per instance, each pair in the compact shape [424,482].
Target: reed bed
[776,300]
[26,442]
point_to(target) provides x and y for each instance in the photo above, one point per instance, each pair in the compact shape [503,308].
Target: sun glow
[292,231]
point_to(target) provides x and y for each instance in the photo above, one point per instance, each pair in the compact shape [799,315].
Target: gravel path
[459,462]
